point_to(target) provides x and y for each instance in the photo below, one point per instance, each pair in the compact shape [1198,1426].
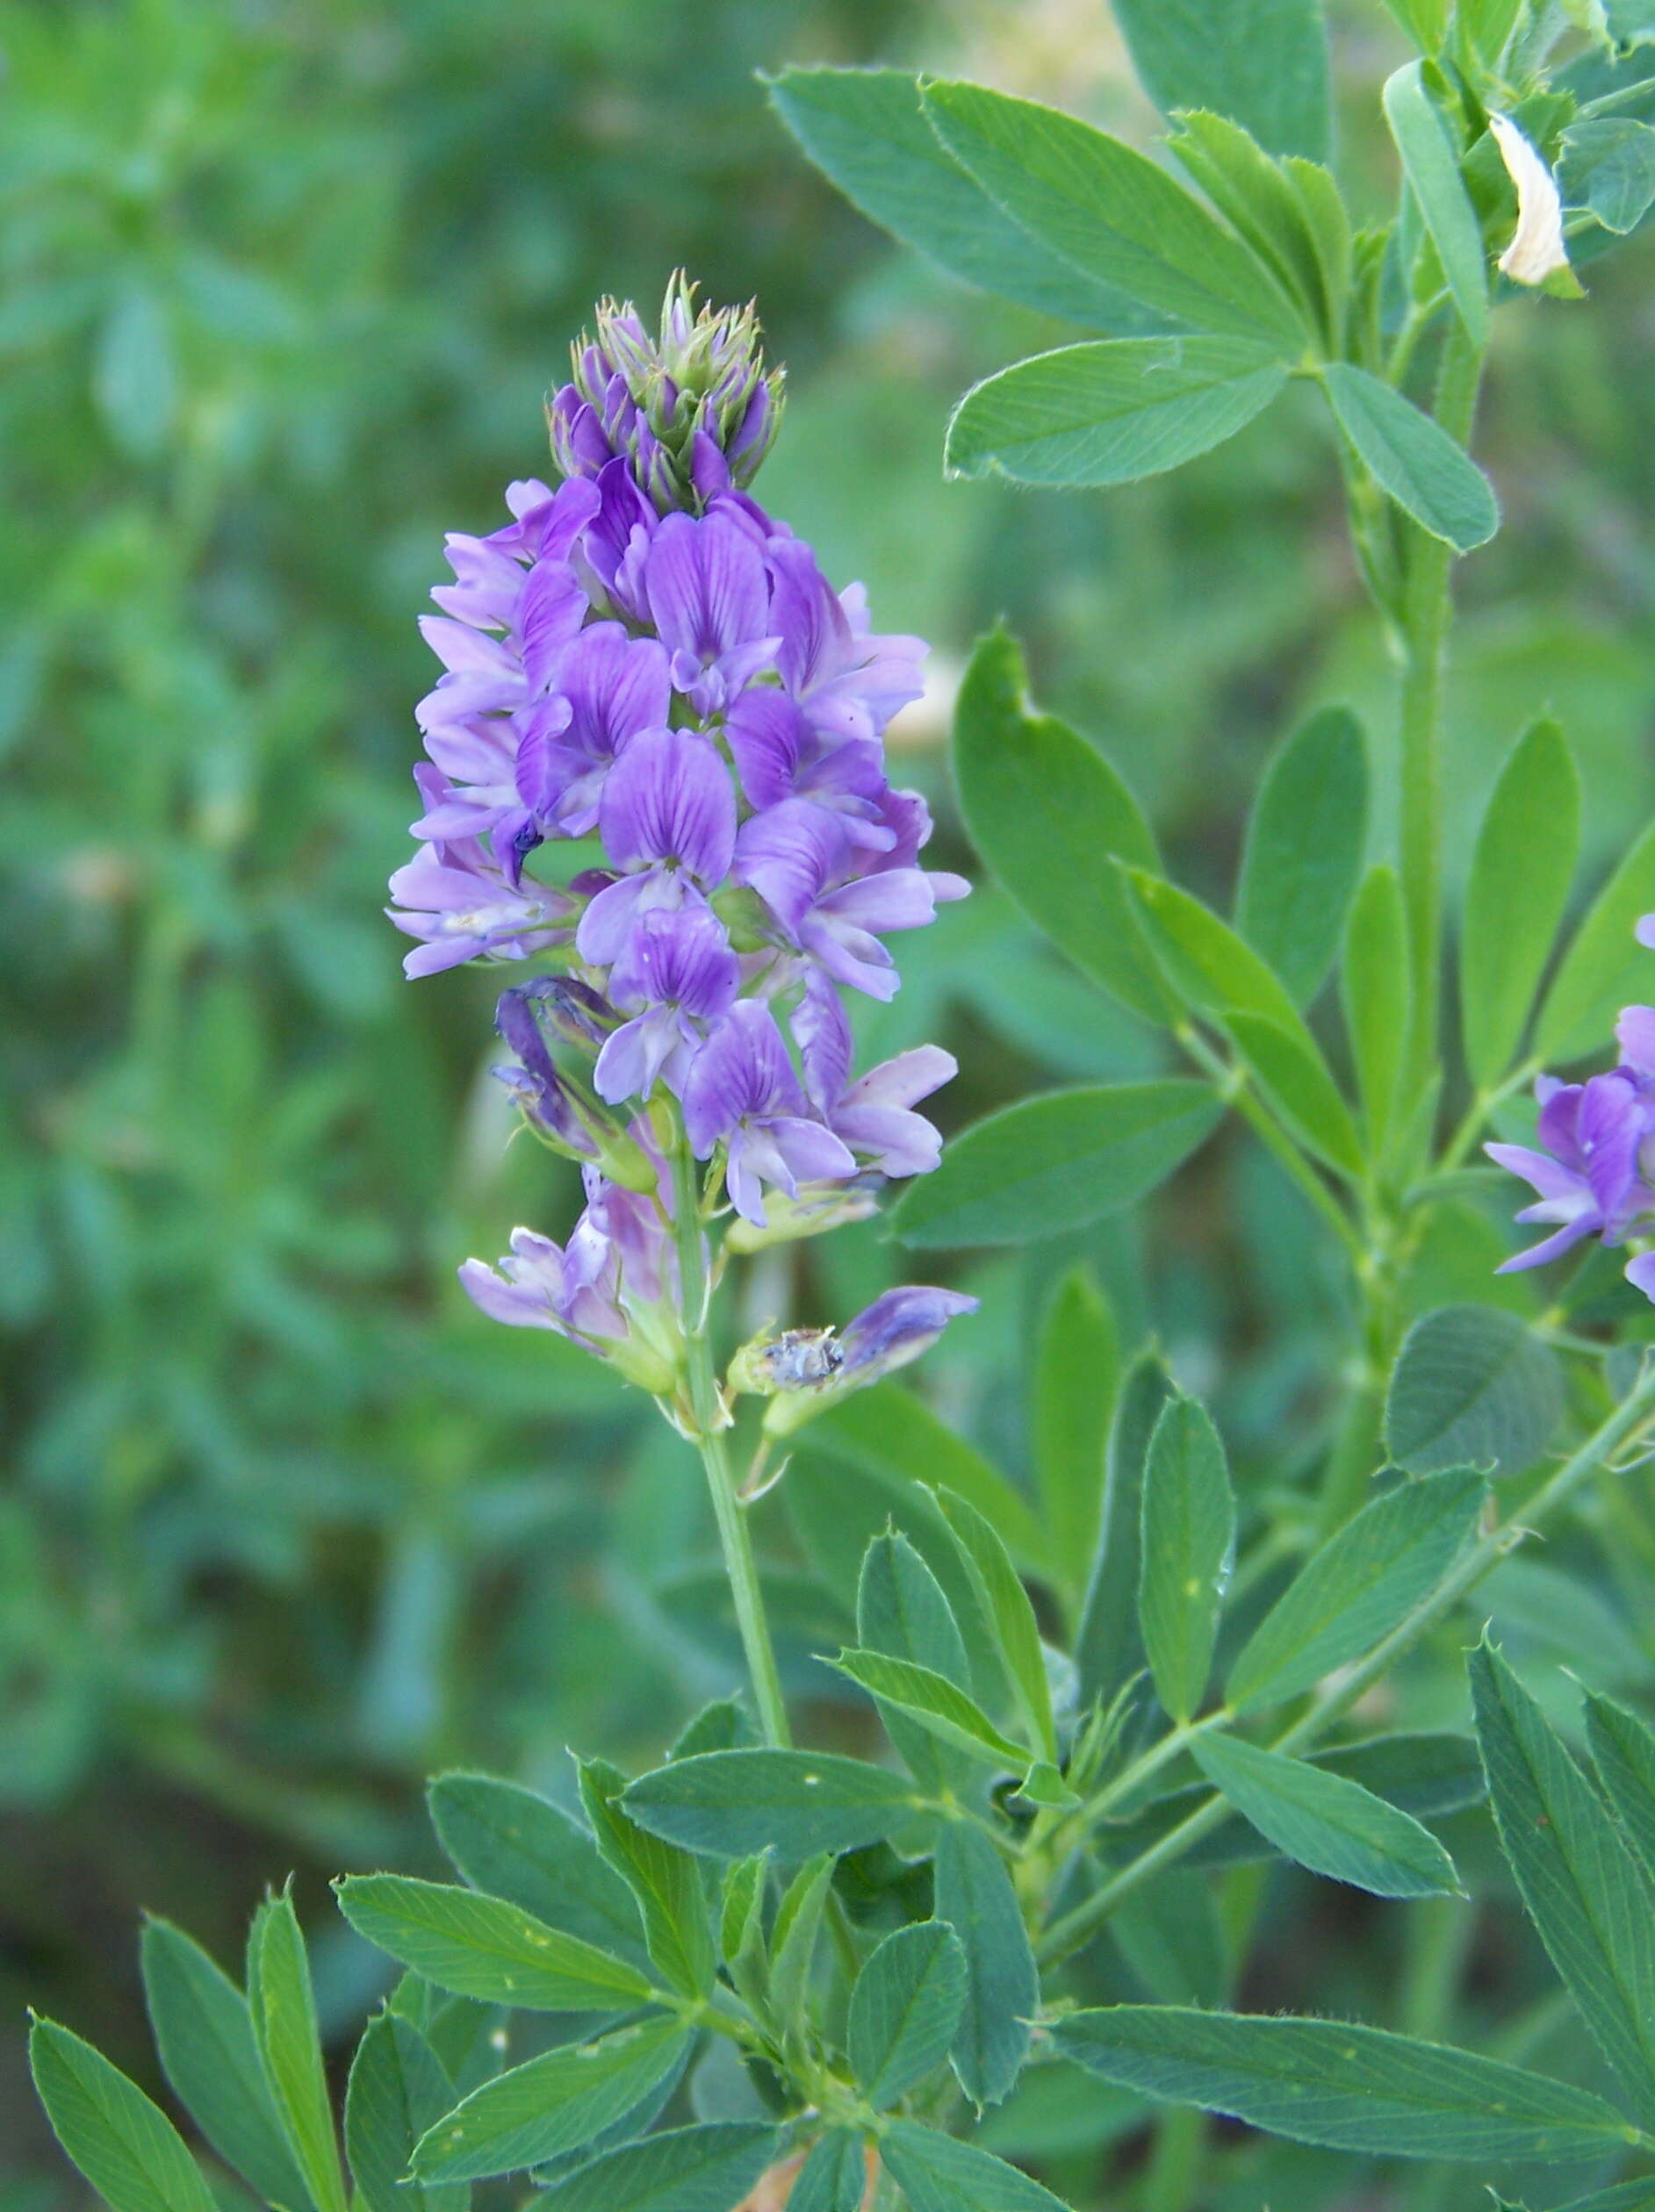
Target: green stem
[1066,1936]
[1425,613]
[1174,2164]
[739,1564]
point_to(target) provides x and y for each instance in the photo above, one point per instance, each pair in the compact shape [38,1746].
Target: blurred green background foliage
[284,1524]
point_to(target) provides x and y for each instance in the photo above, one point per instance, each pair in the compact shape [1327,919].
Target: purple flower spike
[710,602]
[453,898]
[741,1090]
[675,973]
[667,819]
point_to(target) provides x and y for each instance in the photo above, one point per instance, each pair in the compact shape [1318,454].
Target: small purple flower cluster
[645,653]
[1594,1173]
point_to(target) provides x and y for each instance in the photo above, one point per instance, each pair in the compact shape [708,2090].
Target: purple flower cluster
[646,655]
[1593,1175]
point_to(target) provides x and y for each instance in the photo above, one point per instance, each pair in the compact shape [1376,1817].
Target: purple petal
[788,855]
[678,959]
[742,1071]
[1640,1272]
[1634,1033]
[707,586]
[669,798]
[897,1327]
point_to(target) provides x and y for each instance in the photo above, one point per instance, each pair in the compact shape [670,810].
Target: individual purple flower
[710,601]
[741,1091]
[778,756]
[675,974]
[667,819]
[1585,1173]
[572,1289]
[799,859]
[874,1114]
[608,687]
[898,1327]
[534,1082]
[453,897]
[845,683]
[610,554]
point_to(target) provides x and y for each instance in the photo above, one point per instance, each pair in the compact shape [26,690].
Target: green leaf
[866,130]
[904,2010]
[483,1946]
[124,2145]
[665,1884]
[793,1941]
[205,2041]
[1357,1587]
[1188,1550]
[704,2169]
[1582,1888]
[1345,2087]
[1111,411]
[554,2103]
[723,1724]
[1292,1075]
[283,2009]
[1471,1387]
[1291,216]
[890,1433]
[1110,212]
[1521,867]
[973,1894]
[1011,1616]
[727,1804]
[1624,1752]
[1261,62]
[1046,810]
[508,1841]
[398,2091]
[1076,1375]
[1305,845]
[1604,967]
[1413,458]
[1057,1162]
[135,371]
[1324,1822]
[1376,996]
[939,2174]
[901,1610]
[1608,166]
[1108,1644]
[1431,166]
[834,2177]
[936,1703]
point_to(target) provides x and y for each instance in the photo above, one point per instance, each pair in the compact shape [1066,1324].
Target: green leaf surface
[1306,841]
[727,1804]
[1047,812]
[665,1884]
[1324,1822]
[792,1941]
[1376,997]
[705,2169]
[1076,1376]
[508,1842]
[1522,867]
[1431,166]
[1345,2087]
[1010,1612]
[934,1702]
[974,1895]
[939,2174]
[398,2091]
[1582,1887]
[553,2104]
[1057,1162]
[1413,458]
[901,1611]
[905,2010]
[1111,411]
[1289,213]
[866,131]
[834,2177]
[1261,62]
[1109,1644]
[1608,166]
[205,2038]
[1472,1387]
[1357,1587]
[1289,1070]
[282,2008]
[1623,1753]
[1110,212]
[1605,968]
[483,1946]
[124,2145]
[1188,1550]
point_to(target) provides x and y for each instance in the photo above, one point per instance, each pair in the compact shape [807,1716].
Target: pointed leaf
[901,1610]
[1011,1615]
[727,1804]
[283,2008]
[1108,1646]
[1324,1822]
[1076,1376]
[1609,166]
[834,2177]
[124,2145]
[665,1884]
[936,1704]
[1432,168]
[1293,1075]
[397,2090]
[508,1842]
[1522,867]
[1261,62]
[1413,458]
[1304,846]
[1624,1752]
[1471,1387]
[939,2174]
[1189,1543]
[974,1893]
[904,2010]
[1349,2088]
[1605,968]
[1376,996]
[483,1946]
[704,2169]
